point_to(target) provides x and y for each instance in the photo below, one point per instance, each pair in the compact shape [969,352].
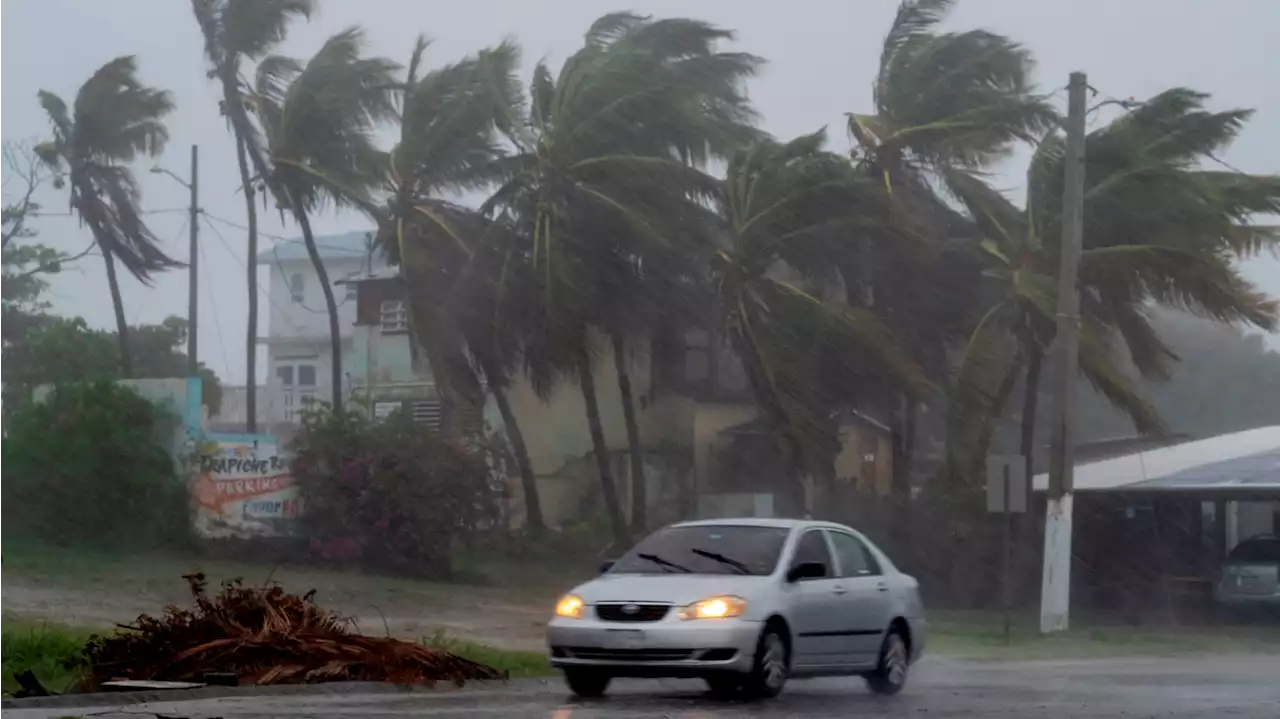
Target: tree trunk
[608,489]
[983,443]
[335,336]
[251,332]
[639,489]
[533,520]
[904,445]
[117,304]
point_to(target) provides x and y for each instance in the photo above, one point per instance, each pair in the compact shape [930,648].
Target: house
[704,449]
[296,332]
[697,421]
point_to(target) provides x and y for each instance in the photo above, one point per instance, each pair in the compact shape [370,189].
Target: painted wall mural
[243,489]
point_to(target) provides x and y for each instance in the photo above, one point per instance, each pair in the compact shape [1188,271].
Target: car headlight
[570,606]
[714,608]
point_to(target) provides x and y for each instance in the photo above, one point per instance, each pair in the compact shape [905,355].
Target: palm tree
[605,173]
[452,258]
[942,100]
[115,120]
[318,122]
[235,31]
[791,211]
[1157,229]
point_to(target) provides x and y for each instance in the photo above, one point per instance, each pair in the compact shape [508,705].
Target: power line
[217,233]
[217,321]
[275,259]
[271,236]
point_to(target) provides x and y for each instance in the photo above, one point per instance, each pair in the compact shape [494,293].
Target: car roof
[780,523]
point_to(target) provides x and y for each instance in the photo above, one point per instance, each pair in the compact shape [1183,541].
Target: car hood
[677,589]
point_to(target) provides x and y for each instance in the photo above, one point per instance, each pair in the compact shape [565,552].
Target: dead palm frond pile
[265,636]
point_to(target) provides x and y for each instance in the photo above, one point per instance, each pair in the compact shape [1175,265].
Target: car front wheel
[769,671]
[587,683]
[890,675]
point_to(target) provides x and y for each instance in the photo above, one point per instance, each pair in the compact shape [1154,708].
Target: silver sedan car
[744,604]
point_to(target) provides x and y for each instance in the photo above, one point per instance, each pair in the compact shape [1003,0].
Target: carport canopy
[1240,463]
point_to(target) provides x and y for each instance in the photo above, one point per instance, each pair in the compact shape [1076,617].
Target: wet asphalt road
[1218,687]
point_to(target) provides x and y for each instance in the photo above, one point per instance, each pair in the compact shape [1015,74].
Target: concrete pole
[1055,595]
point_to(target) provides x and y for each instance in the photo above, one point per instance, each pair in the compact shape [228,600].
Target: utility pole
[193,297]
[1055,595]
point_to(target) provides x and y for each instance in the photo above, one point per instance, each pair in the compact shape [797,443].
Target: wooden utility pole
[1055,595]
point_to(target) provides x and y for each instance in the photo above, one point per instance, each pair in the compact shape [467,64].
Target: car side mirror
[807,570]
[606,565]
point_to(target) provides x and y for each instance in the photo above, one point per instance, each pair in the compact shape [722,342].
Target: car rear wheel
[890,675]
[769,670]
[587,683]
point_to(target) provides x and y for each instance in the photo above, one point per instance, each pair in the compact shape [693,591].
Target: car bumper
[1235,599]
[661,649]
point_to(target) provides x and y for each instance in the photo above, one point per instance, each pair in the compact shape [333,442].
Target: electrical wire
[366,265]
[217,233]
[213,302]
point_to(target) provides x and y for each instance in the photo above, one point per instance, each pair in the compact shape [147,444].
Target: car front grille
[631,612]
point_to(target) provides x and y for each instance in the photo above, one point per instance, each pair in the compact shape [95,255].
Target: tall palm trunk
[639,490]
[989,424]
[498,385]
[608,489]
[251,332]
[335,336]
[117,304]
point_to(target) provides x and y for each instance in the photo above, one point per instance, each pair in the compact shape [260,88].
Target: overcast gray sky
[822,56]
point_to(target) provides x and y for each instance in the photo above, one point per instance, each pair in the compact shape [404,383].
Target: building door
[297,387]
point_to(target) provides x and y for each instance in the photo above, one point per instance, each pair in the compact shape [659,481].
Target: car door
[867,601]
[815,606]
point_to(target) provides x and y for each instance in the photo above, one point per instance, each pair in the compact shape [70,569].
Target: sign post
[1006,495]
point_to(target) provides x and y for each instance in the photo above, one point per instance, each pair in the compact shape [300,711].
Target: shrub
[87,466]
[390,494]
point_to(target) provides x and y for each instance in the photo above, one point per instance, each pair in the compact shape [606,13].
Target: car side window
[856,559]
[813,548]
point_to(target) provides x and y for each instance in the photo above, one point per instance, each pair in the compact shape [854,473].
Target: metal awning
[1239,463]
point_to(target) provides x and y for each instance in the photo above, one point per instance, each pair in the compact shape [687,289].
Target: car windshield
[706,549]
[1262,550]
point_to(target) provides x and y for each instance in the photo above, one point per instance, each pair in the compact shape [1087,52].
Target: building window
[306,375]
[394,316]
[297,287]
[352,291]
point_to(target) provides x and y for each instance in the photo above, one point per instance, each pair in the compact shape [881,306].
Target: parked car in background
[1251,575]
[744,604]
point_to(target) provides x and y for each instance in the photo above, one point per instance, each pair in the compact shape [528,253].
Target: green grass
[517,663]
[980,635]
[53,651]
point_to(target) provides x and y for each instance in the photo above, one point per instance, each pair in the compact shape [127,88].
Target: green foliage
[517,664]
[66,350]
[55,653]
[391,494]
[87,466]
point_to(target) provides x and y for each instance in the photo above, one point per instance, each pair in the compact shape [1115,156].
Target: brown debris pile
[265,636]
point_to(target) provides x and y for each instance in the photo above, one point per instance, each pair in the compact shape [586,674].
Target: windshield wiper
[663,562]
[716,556]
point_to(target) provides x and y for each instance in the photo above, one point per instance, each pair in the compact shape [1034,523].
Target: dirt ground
[101,593]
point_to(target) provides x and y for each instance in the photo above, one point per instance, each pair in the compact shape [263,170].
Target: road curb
[112,699]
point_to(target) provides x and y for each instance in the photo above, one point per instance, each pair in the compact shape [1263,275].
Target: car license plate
[623,638]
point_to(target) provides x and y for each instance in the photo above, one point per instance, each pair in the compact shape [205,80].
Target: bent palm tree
[604,175]
[451,119]
[318,122]
[1157,229]
[942,100]
[235,31]
[115,120]
[796,209]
